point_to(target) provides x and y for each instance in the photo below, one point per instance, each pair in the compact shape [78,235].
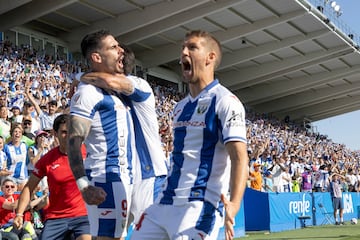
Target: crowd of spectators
[294,159]
[35,88]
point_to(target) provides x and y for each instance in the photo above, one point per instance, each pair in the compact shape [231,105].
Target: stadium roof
[283,57]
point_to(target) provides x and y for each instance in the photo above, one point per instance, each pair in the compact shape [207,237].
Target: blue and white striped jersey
[3,160]
[17,160]
[202,126]
[147,138]
[110,142]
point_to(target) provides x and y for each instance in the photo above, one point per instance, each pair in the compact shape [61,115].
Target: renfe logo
[299,206]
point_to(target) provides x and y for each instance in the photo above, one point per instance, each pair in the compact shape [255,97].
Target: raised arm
[32,100]
[239,175]
[117,82]
[337,174]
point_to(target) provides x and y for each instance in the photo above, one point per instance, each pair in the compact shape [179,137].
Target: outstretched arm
[239,175]
[117,82]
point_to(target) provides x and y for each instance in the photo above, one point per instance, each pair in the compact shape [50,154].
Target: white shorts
[144,194]
[195,220]
[110,218]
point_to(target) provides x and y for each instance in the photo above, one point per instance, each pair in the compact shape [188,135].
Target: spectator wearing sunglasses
[29,113]
[8,204]
[27,125]
[8,201]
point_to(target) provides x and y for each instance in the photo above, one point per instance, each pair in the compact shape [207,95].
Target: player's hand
[18,222]
[93,195]
[231,210]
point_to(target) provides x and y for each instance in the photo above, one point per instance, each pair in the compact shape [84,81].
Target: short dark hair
[90,42]
[27,104]
[53,102]
[129,59]
[61,119]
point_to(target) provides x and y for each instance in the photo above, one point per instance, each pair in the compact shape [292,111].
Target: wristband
[82,183]
[19,215]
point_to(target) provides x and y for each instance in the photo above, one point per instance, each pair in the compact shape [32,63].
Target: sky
[345,128]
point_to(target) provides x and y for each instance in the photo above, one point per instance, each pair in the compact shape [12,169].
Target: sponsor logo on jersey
[235,120]
[201,109]
[55,166]
[104,213]
[189,124]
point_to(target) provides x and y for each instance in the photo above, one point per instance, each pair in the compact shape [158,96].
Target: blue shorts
[58,228]
[110,218]
[338,203]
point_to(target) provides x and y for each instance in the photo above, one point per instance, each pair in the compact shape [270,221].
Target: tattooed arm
[117,82]
[78,129]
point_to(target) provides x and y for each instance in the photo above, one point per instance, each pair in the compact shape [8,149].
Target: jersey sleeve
[85,100]
[231,113]
[142,89]
[40,167]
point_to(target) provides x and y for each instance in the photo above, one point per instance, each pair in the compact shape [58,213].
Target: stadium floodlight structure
[336,7]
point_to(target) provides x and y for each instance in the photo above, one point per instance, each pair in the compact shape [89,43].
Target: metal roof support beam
[246,29]
[256,75]
[177,20]
[6,5]
[71,18]
[345,109]
[30,11]
[322,108]
[136,19]
[287,87]
[245,54]
[307,98]
[157,57]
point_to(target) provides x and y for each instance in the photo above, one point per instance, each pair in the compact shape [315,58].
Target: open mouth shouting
[186,68]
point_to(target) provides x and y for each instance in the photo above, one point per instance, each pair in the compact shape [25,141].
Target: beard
[27,130]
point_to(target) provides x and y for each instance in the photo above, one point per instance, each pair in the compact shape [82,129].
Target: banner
[277,212]
[239,226]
